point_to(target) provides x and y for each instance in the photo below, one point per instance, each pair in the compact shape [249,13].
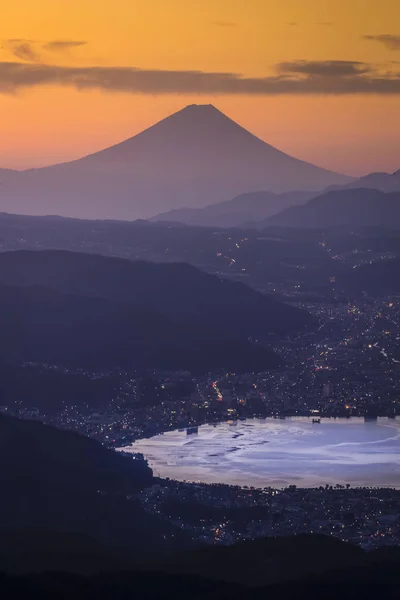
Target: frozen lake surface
[278,453]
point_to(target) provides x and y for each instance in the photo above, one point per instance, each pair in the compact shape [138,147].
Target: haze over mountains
[193,158]
[343,208]
[385,182]
[254,209]
[242,210]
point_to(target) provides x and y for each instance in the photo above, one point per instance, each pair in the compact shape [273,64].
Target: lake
[278,453]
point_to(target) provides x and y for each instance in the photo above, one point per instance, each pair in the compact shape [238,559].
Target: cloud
[63,45]
[30,50]
[22,49]
[296,78]
[224,23]
[392,42]
[325,68]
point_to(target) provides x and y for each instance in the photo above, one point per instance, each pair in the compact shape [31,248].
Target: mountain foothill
[98,312]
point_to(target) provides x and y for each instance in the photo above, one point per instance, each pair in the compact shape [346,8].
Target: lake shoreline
[279,453]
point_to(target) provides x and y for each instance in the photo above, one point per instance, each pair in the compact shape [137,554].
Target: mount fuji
[193,158]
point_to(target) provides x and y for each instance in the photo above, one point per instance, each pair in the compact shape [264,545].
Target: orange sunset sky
[319,79]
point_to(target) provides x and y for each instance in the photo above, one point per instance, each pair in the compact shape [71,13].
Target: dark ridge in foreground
[46,326]
[295,568]
[56,481]
[92,310]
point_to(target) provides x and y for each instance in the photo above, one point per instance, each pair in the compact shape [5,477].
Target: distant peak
[201,106]
[200,115]
[200,109]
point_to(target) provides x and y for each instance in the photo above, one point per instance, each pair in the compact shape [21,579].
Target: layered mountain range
[194,158]
[360,207]
[243,210]
[385,182]
[257,208]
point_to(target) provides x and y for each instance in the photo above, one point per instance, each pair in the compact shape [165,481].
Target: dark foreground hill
[43,325]
[308,567]
[367,583]
[92,310]
[344,208]
[177,291]
[48,390]
[270,560]
[62,459]
[59,481]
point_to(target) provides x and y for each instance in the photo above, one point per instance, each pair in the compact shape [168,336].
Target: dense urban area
[346,365]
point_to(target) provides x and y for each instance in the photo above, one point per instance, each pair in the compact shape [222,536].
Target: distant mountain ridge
[241,211]
[195,157]
[384,182]
[248,210]
[360,207]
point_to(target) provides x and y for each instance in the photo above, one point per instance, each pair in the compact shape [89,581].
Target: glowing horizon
[319,81]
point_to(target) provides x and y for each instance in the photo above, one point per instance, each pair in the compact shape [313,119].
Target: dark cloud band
[30,50]
[23,49]
[63,45]
[299,77]
[326,68]
[390,41]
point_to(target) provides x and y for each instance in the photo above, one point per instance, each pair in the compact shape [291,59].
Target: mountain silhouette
[58,481]
[343,208]
[243,210]
[384,182]
[72,309]
[195,157]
